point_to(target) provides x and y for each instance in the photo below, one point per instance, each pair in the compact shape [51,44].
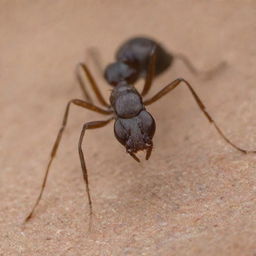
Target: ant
[134,126]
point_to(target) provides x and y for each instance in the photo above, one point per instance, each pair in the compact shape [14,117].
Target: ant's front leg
[87,126]
[76,102]
[179,81]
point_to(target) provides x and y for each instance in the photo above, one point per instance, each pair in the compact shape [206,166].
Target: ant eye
[120,71]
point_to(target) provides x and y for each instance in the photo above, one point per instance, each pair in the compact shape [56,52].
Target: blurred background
[196,195]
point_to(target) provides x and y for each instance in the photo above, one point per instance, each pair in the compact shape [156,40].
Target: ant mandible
[134,126]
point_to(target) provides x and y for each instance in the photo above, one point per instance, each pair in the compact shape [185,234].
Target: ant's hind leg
[92,82]
[206,74]
[202,107]
[79,103]
[87,126]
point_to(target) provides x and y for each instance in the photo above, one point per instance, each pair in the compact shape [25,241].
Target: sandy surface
[196,195]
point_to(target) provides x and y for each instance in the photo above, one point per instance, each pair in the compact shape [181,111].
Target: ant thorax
[126,100]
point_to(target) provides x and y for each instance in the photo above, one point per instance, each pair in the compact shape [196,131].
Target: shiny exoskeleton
[134,126]
[132,60]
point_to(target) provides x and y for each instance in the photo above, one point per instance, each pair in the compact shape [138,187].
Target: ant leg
[90,125]
[82,86]
[195,71]
[92,83]
[95,55]
[172,86]
[79,103]
[150,73]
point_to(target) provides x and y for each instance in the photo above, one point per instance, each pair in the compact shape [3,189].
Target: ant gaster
[134,126]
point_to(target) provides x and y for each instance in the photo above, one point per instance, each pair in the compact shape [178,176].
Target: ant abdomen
[137,52]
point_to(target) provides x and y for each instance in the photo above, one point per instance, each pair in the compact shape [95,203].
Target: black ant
[134,126]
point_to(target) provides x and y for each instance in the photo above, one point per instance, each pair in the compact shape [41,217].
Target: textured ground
[196,195]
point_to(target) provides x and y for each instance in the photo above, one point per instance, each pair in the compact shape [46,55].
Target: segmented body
[134,126]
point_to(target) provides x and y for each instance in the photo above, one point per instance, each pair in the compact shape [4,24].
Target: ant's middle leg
[79,103]
[92,82]
[172,86]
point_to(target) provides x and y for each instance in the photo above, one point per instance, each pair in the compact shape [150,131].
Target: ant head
[120,71]
[136,133]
